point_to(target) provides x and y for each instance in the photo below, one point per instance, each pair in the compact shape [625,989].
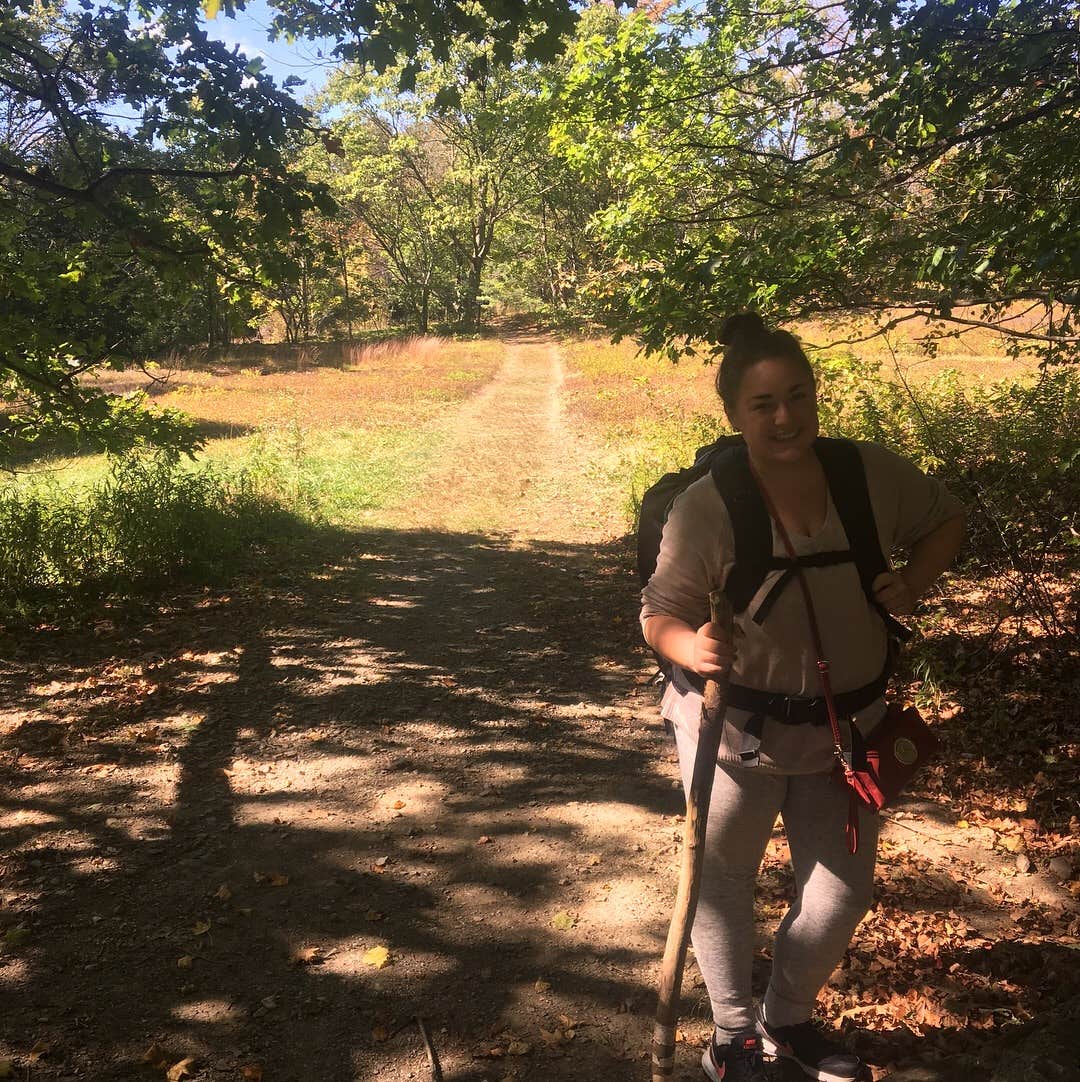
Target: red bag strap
[815,630]
[822,668]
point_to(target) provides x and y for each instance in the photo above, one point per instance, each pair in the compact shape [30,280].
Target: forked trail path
[419,772]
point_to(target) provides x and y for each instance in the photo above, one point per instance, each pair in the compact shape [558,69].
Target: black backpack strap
[785,564]
[750,525]
[846,474]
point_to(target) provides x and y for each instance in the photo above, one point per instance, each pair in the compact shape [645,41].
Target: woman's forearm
[671,638]
[932,554]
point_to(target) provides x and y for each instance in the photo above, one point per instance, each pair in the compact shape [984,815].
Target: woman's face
[776,412]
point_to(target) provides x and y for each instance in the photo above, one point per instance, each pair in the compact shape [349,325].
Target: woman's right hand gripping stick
[713,651]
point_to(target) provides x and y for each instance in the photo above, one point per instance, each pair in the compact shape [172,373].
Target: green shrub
[1010,450]
[150,522]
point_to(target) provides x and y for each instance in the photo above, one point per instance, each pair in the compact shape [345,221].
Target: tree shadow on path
[414,740]
[423,741]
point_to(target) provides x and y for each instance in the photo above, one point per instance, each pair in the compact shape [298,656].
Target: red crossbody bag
[879,767]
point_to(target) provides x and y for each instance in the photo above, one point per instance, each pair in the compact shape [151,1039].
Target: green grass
[337,476]
[144,524]
[291,448]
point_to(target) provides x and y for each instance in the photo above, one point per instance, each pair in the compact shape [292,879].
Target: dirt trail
[512,465]
[432,737]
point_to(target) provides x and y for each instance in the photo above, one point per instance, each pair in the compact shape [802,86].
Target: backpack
[658,498]
[727,460]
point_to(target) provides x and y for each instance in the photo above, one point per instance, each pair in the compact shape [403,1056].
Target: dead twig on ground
[429,1048]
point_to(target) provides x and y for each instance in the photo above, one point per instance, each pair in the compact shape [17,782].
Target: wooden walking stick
[697,816]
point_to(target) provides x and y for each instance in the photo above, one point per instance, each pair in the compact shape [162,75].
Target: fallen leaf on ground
[542,985]
[269,1002]
[201,927]
[180,1070]
[398,804]
[519,1048]
[252,1072]
[185,962]
[308,956]
[278,880]
[379,957]
[40,1050]
[223,894]
[380,1033]
[563,920]
[374,914]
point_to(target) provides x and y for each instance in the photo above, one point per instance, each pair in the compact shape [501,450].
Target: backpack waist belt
[804,710]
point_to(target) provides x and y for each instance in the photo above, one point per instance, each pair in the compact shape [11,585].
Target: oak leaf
[39,1051]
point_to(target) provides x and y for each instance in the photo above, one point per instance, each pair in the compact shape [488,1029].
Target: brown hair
[747,341]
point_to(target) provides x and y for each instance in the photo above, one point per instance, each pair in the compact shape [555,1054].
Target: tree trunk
[425,301]
[345,284]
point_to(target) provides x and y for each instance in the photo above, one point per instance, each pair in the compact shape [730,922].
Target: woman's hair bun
[740,325]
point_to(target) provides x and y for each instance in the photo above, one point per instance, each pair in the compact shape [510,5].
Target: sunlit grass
[288,446]
[341,435]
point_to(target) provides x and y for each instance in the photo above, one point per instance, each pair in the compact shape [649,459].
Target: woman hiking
[776,754]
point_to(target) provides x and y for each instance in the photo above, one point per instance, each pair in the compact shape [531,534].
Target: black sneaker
[739,1061]
[818,1057]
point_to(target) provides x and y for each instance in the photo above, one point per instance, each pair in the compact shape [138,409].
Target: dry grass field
[615,385]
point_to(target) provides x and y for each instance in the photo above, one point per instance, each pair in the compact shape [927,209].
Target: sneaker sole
[707,1068]
[780,1052]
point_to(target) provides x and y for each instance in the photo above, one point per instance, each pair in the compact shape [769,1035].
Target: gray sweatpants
[834,888]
